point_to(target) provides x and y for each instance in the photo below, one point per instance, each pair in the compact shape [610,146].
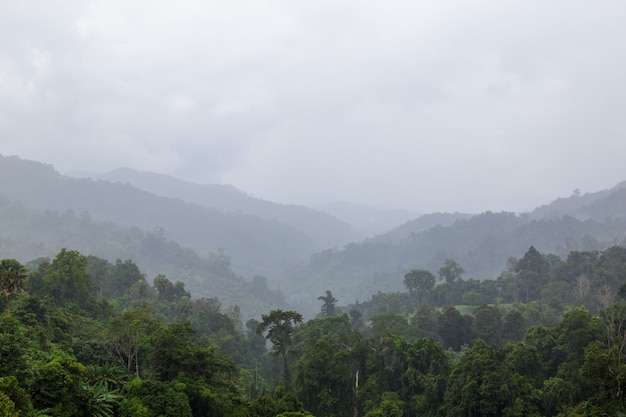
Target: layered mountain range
[224,243]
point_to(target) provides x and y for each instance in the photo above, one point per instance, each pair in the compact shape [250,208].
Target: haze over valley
[312,209]
[298,251]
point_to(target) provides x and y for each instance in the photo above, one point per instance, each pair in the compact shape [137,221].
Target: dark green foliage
[531,271]
[68,281]
[280,327]
[328,308]
[12,279]
[450,271]
[485,383]
[12,346]
[277,403]
[58,386]
[455,330]
[155,398]
[419,282]
[423,367]
[166,354]
[488,324]
[389,323]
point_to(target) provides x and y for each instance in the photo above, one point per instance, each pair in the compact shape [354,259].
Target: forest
[83,336]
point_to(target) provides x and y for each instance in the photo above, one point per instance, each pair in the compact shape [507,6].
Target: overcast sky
[426,105]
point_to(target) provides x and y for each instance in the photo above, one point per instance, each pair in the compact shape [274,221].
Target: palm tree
[328,308]
[12,279]
[101,402]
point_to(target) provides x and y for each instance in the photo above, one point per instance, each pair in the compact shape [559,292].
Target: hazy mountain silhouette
[257,246]
[325,230]
[368,220]
[119,220]
[481,243]
[27,234]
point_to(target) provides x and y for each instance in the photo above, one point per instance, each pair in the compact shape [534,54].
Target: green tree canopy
[328,308]
[419,281]
[12,279]
[68,280]
[451,271]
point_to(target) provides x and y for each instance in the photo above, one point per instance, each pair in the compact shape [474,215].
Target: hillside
[26,234]
[325,230]
[481,244]
[257,246]
[588,205]
[121,221]
[420,224]
[368,220]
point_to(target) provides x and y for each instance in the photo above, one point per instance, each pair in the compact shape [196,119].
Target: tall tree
[419,281]
[328,308]
[455,329]
[68,280]
[127,338]
[450,271]
[279,325]
[12,279]
[532,271]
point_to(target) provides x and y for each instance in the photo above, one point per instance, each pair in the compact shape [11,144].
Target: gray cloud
[433,106]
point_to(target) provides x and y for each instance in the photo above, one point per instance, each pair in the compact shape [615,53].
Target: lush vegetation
[81,336]
[179,232]
[481,244]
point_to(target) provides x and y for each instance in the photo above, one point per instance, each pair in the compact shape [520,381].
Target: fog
[428,106]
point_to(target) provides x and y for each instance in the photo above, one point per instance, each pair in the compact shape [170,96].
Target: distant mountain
[600,204]
[41,211]
[325,230]
[257,246]
[368,220]
[27,234]
[480,243]
[420,224]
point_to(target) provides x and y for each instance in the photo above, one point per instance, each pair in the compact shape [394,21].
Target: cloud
[428,105]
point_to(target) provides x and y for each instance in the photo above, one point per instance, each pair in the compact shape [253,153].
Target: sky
[423,105]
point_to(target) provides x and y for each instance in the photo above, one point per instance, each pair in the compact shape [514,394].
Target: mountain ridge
[324,229]
[291,261]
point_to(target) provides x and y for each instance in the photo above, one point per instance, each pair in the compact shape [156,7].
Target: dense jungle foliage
[80,336]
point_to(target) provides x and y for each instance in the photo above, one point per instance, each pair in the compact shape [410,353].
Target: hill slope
[257,246]
[325,230]
[481,244]
[26,234]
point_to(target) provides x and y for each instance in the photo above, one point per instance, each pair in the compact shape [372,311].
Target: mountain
[257,246]
[482,244]
[325,230]
[27,234]
[600,204]
[368,220]
[420,224]
[182,238]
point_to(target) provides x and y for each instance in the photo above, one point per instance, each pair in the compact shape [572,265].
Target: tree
[419,281]
[57,386]
[451,271]
[279,325]
[127,337]
[472,298]
[328,308]
[532,271]
[488,324]
[68,280]
[484,383]
[168,291]
[121,277]
[328,365]
[12,279]
[455,330]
